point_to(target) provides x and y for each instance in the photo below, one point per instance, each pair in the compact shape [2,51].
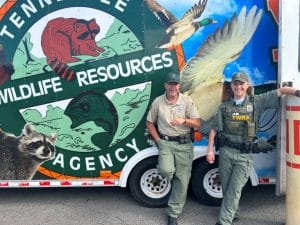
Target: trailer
[77,79]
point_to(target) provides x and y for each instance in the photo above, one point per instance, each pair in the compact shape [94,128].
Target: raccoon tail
[61,69]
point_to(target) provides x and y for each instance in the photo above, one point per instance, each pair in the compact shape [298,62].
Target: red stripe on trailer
[24,184]
[44,183]
[297,137]
[293,165]
[109,182]
[65,183]
[293,108]
[287,135]
[87,184]
[264,180]
[4,184]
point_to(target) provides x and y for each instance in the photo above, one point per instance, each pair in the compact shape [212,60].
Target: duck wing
[225,45]
[219,49]
[165,16]
[193,13]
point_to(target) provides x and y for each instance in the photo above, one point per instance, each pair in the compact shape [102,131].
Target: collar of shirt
[170,103]
[239,102]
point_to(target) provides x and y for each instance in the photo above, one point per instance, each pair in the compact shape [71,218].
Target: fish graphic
[94,106]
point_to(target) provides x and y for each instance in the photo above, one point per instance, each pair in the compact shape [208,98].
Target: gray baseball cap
[172,78]
[240,76]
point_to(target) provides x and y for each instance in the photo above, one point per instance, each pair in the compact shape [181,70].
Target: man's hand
[177,121]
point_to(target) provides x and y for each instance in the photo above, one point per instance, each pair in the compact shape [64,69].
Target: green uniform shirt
[163,112]
[259,104]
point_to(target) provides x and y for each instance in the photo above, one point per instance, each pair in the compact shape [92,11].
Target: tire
[147,186]
[206,184]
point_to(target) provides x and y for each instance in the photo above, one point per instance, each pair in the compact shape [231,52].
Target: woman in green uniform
[236,122]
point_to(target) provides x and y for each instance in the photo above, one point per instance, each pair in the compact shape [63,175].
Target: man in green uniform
[174,114]
[236,122]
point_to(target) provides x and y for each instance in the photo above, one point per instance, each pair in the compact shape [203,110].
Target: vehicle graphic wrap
[88,71]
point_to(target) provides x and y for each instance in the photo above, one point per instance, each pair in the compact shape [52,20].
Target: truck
[77,79]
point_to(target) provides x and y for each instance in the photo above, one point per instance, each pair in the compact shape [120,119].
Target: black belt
[238,146]
[246,148]
[181,139]
[254,146]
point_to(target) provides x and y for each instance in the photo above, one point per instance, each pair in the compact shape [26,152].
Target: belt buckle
[183,136]
[166,138]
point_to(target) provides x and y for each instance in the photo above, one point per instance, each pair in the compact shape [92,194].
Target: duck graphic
[179,30]
[94,106]
[202,77]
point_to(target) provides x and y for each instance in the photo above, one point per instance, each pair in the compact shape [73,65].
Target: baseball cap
[240,76]
[172,78]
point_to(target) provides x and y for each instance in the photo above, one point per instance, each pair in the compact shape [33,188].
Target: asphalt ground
[115,206]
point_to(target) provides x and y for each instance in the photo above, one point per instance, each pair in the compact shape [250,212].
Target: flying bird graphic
[202,77]
[179,30]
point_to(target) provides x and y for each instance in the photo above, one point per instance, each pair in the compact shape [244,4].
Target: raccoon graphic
[21,156]
[64,38]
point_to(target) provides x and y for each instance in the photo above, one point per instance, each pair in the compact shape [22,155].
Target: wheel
[206,183]
[147,186]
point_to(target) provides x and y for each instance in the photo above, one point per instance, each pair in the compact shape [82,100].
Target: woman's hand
[210,155]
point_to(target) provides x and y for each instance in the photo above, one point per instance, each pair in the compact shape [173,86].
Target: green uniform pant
[234,168]
[175,163]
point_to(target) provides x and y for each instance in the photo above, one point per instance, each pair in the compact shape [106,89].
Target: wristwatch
[297,93]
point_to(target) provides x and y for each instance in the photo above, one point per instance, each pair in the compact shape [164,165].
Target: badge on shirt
[249,108]
[177,111]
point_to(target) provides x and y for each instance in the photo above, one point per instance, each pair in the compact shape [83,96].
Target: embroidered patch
[249,108]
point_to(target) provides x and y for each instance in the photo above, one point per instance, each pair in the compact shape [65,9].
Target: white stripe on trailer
[58,183]
[267,180]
